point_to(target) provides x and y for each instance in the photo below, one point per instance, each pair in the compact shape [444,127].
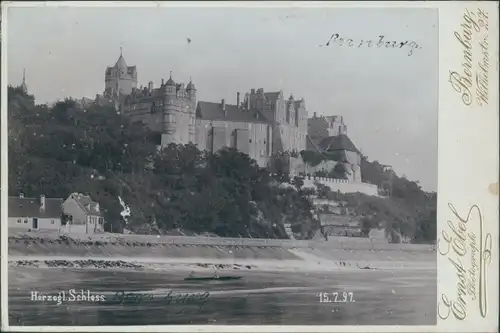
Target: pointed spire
[24,87]
[120,63]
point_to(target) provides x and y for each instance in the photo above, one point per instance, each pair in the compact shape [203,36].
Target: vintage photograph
[223,165]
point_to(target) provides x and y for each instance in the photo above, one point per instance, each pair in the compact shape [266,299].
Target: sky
[389,100]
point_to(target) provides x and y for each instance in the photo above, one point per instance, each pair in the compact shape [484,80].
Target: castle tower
[24,87]
[191,94]
[302,115]
[179,113]
[120,79]
[290,111]
[170,111]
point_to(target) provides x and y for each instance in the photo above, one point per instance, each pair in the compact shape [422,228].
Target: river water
[404,297]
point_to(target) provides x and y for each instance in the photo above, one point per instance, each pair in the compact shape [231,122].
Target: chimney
[238,99]
[42,203]
[21,195]
[248,102]
[314,115]
[162,82]
[150,86]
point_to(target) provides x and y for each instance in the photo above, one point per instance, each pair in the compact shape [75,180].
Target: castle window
[19,221]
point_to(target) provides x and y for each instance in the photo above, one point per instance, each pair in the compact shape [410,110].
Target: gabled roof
[30,207]
[214,111]
[86,203]
[338,142]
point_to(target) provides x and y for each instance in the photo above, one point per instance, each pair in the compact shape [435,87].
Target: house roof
[86,203]
[213,111]
[30,207]
[338,142]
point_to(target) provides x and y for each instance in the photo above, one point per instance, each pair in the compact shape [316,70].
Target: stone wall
[343,243]
[342,185]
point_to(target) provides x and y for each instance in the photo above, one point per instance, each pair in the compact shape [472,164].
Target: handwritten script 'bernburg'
[459,243]
[472,83]
[380,42]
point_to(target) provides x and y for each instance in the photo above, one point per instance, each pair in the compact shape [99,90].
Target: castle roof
[120,63]
[190,86]
[30,207]
[170,82]
[338,142]
[214,111]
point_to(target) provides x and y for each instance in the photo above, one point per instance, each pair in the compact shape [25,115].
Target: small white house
[83,215]
[35,213]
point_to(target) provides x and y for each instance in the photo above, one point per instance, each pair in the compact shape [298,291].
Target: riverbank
[160,253]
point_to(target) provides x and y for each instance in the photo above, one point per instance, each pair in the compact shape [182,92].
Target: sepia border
[468,201]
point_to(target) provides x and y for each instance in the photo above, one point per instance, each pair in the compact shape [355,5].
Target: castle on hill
[260,124]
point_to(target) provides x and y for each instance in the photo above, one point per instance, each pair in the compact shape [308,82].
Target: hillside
[62,149]
[59,149]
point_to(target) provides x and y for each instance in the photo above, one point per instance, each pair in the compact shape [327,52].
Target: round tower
[170,112]
[191,92]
